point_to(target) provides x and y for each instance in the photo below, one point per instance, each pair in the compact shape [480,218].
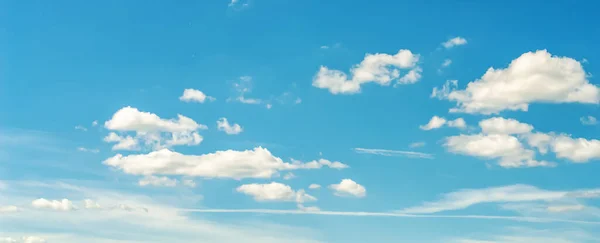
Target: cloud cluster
[379,68]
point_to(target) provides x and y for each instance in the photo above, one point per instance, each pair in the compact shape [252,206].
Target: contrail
[399,215]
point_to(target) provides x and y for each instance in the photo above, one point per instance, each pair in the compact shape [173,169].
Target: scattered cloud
[437,122]
[456,41]
[578,150]
[334,46]
[348,187]
[275,192]
[223,125]
[256,163]
[416,144]
[500,125]
[465,198]
[56,205]
[194,95]
[534,77]
[161,181]
[446,63]
[314,186]
[386,152]
[151,131]
[378,68]
[588,120]
[82,149]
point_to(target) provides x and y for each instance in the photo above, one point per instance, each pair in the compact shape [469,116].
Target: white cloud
[82,149]
[565,208]
[81,128]
[436,122]
[161,181]
[151,130]
[456,41]
[534,77]
[379,68]
[465,198]
[314,186]
[189,183]
[446,63]
[241,88]
[256,163]
[508,149]
[538,140]
[91,204]
[348,187]
[194,95]
[289,176]
[8,209]
[578,150]
[588,120]
[25,239]
[275,192]
[416,144]
[500,125]
[223,125]
[386,152]
[62,205]
[94,123]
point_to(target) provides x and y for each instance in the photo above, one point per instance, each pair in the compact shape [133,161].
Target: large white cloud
[194,95]
[57,205]
[534,77]
[506,148]
[231,129]
[275,192]
[256,163]
[378,68]
[500,125]
[150,130]
[465,198]
[348,187]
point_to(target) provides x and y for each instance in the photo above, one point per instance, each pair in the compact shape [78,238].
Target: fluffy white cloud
[256,163]
[588,120]
[348,187]
[151,130]
[378,68]
[91,204]
[532,77]
[223,125]
[436,122]
[386,152]
[500,125]
[578,150]
[456,41]
[194,95]
[508,149]
[8,209]
[538,140]
[465,198]
[62,205]
[160,181]
[275,192]
[314,186]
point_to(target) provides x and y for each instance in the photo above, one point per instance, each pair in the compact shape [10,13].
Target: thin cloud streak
[386,152]
[398,215]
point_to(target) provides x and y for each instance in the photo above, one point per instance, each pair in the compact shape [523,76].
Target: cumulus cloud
[275,192]
[465,198]
[506,148]
[57,205]
[256,163]
[348,187]
[159,181]
[500,125]
[588,120]
[8,209]
[387,152]
[150,130]
[194,95]
[91,204]
[534,77]
[456,41]
[579,150]
[314,186]
[378,68]
[231,129]
[437,122]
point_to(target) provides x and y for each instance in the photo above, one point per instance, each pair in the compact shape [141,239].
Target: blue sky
[210,121]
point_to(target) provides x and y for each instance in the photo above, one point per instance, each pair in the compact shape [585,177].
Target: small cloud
[387,152]
[95,123]
[82,149]
[588,120]
[446,63]
[289,176]
[314,186]
[416,144]
[456,41]
[269,106]
[230,129]
[81,128]
[194,95]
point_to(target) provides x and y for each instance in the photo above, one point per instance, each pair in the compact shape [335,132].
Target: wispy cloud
[386,152]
